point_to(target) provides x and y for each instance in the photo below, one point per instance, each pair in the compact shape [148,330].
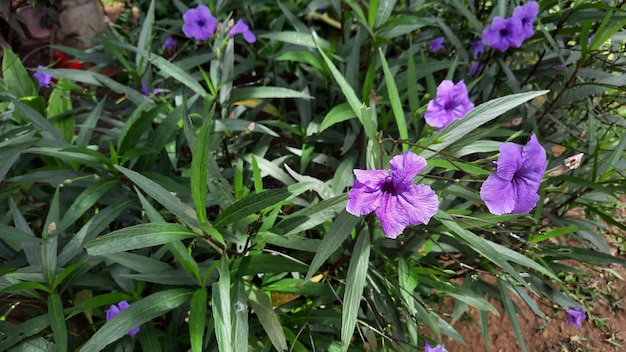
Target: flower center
[389,188]
[504,32]
[201,23]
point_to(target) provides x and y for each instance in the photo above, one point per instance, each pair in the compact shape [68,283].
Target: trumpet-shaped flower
[44,79]
[392,195]
[526,16]
[436,45]
[576,315]
[451,103]
[199,23]
[169,44]
[478,47]
[115,310]
[504,33]
[439,348]
[242,28]
[512,189]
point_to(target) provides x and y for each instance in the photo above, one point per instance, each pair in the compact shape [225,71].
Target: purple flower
[476,66]
[512,189]
[44,79]
[392,195]
[504,33]
[590,39]
[451,103]
[155,91]
[526,16]
[169,44]
[576,315]
[478,47]
[439,348]
[144,89]
[242,28]
[199,23]
[436,44]
[115,310]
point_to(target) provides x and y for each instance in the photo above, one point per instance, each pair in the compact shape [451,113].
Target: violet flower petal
[199,23]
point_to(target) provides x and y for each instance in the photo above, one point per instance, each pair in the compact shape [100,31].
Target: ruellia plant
[309,176]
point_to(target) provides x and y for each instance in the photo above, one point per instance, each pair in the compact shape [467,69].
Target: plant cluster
[227,188]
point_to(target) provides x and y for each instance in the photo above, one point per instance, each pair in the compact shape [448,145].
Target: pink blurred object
[32,17]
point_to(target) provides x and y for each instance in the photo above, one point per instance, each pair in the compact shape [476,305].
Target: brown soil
[604,329]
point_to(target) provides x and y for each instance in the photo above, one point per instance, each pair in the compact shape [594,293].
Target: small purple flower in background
[590,39]
[512,188]
[144,89]
[526,16]
[155,91]
[242,28]
[44,79]
[504,33]
[199,23]
[439,348]
[115,310]
[478,47]
[436,44]
[576,315]
[392,195]
[169,44]
[451,103]
[476,67]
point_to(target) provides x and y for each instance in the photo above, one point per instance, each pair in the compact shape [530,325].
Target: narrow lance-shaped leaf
[197,319]
[137,314]
[221,308]
[357,272]
[199,166]
[394,98]
[262,306]
[138,236]
[57,322]
[251,204]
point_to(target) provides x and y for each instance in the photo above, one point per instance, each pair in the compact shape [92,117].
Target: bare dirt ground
[604,330]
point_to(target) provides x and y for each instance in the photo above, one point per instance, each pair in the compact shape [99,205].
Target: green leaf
[221,308]
[552,233]
[161,195]
[313,215]
[458,165]
[240,316]
[197,319]
[347,90]
[477,117]
[262,263]
[510,310]
[396,104]
[199,166]
[10,233]
[87,127]
[57,321]
[145,37]
[138,236]
[185,259]
[262,306]
[251,204]
[13,334]
[85,201]
[339,113]
[265,93]
[340,229]
[136,126]
[138,313]
[301,56]
[15,76]
[45,128]
[297,38]
[60,103]
[355,282]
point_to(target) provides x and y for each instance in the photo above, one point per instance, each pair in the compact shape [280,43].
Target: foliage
[216,205]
